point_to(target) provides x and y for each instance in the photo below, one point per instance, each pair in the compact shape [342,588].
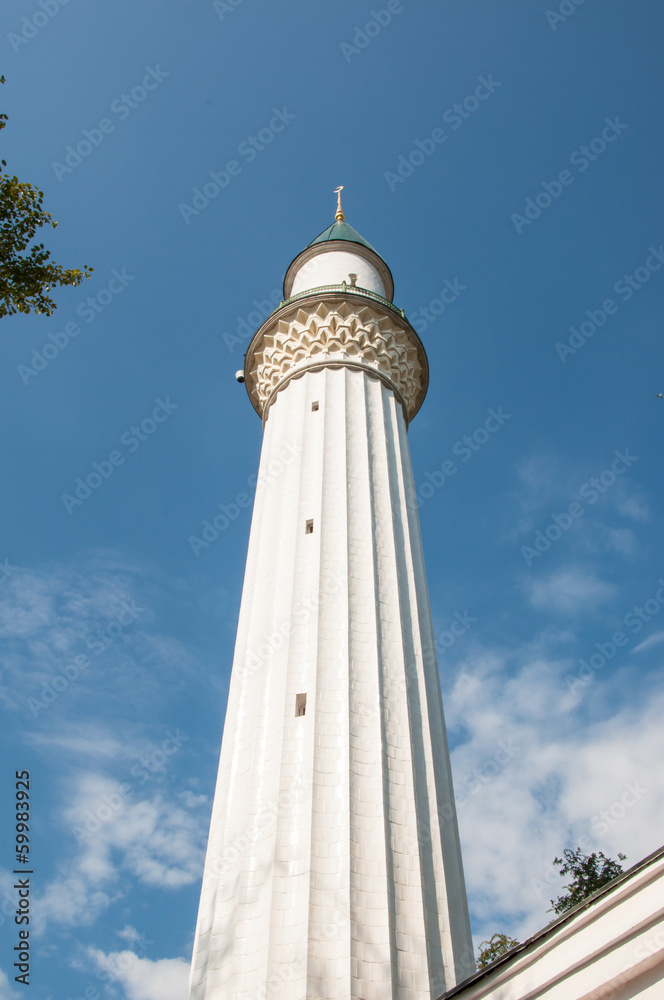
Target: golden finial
[339,217]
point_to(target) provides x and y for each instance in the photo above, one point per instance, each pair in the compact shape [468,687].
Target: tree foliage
[27,275]
[497,945]
[589,873]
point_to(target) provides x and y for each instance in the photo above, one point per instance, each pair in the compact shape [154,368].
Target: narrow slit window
[314,406]
[300,704]
[309,527]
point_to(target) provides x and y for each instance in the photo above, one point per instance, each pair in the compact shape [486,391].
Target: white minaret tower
[333,867]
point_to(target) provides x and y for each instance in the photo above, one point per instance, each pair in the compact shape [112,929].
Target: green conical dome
[342,231]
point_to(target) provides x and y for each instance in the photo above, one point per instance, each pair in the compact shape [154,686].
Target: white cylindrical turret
[335,267]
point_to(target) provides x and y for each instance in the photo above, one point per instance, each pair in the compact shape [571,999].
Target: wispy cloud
[634,506]
[539,477]
[86,740]
[49,615]
[143,978]
[60,623]
[546,486]
[653,640]
[569,591]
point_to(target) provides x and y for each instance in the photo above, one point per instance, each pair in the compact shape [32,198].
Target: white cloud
[7,991]
[71,900]
[153,841]
[635,507]
[191,800]
[621,540]
[59,602]
[652,640]
[143,978]
[86,740]
[533,776]
[540,478]
[569,591]
[130,934]
[596,537]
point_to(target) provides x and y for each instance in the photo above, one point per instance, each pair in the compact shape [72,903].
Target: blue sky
[536,236]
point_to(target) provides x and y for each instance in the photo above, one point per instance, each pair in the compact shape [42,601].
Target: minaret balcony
[345,288]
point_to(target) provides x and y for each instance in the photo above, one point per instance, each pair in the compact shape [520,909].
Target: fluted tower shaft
[333,867]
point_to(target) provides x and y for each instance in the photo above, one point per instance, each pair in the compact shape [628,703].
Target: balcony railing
[344,288]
